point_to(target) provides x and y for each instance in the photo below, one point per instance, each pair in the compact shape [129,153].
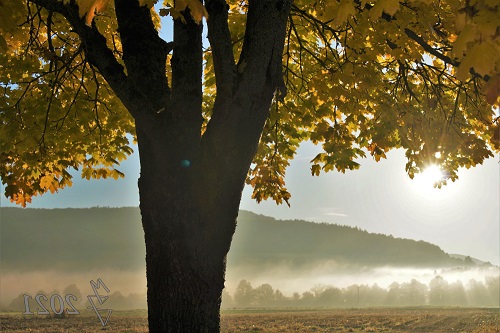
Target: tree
[244,295]
[18,303]
[330,297]
[355,76]
[457,295]
[439,291]
[417,292]
[477,293]
[264,295]
[226,300]
[72,289]
[308,298]
[493,286]
[394,294]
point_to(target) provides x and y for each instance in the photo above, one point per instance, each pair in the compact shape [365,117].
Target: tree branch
[412,35]
[187,71]
[420,41]
[222,51]
[261,57]
[99,55]
[144,52]
[230,142]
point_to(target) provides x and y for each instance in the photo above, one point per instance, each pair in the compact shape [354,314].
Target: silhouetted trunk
[185,259]
[190,192]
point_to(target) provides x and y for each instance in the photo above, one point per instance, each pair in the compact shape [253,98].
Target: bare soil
[280,320]
[367,320]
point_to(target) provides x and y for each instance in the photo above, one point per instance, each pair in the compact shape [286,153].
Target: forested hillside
[261,238]
[71,239]
[81,239]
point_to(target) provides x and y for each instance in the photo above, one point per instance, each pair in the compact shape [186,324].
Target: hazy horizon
[293,255]
[134,283]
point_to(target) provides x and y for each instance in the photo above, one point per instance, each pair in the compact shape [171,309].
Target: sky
[462,217]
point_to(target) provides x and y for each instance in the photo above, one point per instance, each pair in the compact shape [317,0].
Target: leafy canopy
[362,77]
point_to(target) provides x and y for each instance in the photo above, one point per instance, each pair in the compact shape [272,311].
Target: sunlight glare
[425,181]
[431,175]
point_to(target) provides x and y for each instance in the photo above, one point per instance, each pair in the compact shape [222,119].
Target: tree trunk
[188,227]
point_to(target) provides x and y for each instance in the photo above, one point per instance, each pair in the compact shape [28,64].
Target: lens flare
[431,175]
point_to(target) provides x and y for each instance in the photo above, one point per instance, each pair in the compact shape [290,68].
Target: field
[303,321]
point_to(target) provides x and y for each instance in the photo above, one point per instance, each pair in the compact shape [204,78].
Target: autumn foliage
[359,77]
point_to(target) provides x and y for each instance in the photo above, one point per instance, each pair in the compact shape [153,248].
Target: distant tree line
[439,292]
[115,301]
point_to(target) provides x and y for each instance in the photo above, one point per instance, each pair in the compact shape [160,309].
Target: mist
[48,283]
[289,279]
[46,251]
[438,292]
[281,287]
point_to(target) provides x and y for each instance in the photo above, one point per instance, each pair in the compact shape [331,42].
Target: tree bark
[185,278]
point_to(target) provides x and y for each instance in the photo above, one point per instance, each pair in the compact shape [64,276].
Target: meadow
[424,319]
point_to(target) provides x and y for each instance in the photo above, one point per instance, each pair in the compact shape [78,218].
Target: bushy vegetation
[439,292]
[115,301]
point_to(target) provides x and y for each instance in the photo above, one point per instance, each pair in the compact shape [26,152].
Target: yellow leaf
[176,14]
[87,173]
[180,5]
[346,10]
[388,6]
[482,58]
[329,11]
[492,89]
[46,182]
[315,169]
[467,35]
[91,7]
[460,21]
[148,3]
[21,199]
[196,9]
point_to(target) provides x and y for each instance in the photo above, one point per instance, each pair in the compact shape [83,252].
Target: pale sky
[462,218]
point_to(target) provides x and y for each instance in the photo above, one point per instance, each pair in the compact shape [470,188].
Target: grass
[397,320]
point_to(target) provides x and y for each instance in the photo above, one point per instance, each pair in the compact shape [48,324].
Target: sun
[423,184]
[431,175]
[426,180]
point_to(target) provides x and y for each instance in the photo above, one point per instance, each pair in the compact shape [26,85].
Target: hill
[112,238]
[71,239]
[264,239]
